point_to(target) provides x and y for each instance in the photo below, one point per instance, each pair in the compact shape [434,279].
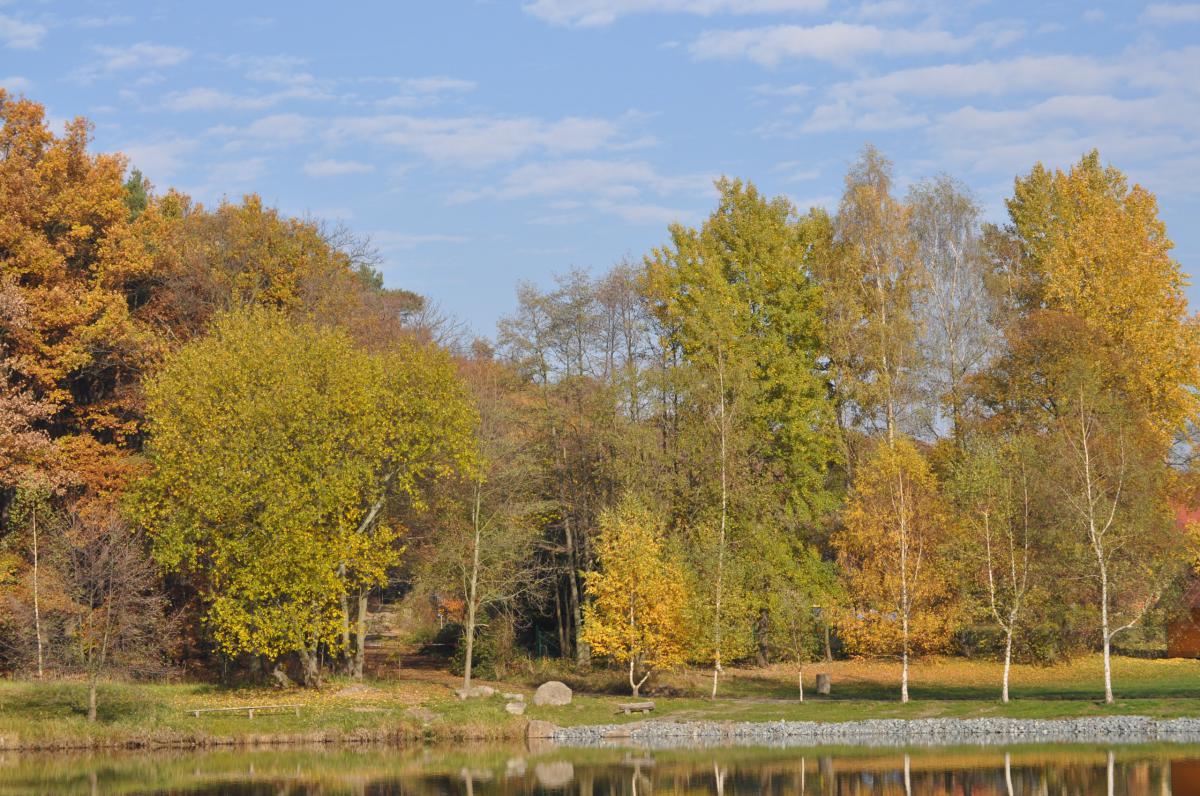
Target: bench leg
[250,712]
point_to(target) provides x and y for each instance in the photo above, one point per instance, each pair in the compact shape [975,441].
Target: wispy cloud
[336,168]
[593,13]
[834,42]
[1171,13]
[143,56]
[19,34]
[15,83]
[475,141]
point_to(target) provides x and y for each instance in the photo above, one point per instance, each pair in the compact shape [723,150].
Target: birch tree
[1112,486]
[892,551]
[995,490]
[636,612]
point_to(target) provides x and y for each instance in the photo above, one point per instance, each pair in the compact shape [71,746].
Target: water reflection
[821,772]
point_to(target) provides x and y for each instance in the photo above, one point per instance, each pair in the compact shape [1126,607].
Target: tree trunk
[1108,693]
[472,589]
[828,645]
[561,620]
[721,540]
[1008,634]
[347,650]
[310,668]
[582,653]
[1008,783]
[800,680]
[91,715]
[764,623]
[37,612]
[633,684]
[360,652]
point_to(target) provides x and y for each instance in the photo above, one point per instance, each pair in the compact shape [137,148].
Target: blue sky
[480,143]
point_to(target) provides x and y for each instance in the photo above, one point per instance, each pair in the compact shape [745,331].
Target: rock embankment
[883,732]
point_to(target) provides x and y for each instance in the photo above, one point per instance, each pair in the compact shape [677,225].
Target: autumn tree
[72,261]
[1084,268]
[276,450]
[953,306]
[996,492]
[492,516]
[1115,510]
[736,301]
[870,275]
[636,612]
[892,552]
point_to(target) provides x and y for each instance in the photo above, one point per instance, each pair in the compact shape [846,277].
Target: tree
[1086,250]
[1112,486]
[870,276]
[736,301]
[492,516]
[953,306]
[73,265]
[276,448]
[893,557]
[636,613]
[996,494]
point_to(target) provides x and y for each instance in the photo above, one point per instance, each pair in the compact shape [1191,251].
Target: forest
[784,435]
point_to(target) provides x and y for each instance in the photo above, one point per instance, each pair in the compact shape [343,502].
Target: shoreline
[665,734]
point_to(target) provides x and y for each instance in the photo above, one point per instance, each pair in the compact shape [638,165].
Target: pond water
[1046,771]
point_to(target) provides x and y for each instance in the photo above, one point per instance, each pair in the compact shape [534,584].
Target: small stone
[540,730]
[515,697]
[552,693]
[515,708]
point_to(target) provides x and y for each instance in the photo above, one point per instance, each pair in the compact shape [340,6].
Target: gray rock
[515,708]
[552,693]
[474,692]
[556,775]
[884,732]
[540,730]
[515,697]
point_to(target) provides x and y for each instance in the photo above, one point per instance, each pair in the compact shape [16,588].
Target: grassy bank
[420,705]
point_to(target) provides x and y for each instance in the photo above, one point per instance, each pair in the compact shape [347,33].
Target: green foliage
[274,448]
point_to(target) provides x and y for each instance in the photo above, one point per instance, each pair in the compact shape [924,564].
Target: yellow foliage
[636,613]
[892,552]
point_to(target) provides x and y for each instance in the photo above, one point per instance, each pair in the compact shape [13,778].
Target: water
[1046,771]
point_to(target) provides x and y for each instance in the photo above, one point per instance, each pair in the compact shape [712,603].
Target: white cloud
[476,140]
[419,91]
[1171,13]
[160,160]
[15,83]
[835,42]
[393,240]
[593,13]
[143,56]
[210,99]
[1026,74]
[336,168]
[20,35]
[596,178]
[113,20]
[437,85]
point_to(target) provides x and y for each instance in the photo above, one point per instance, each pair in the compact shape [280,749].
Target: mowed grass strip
[52,714]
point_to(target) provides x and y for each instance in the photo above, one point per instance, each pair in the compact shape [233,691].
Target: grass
[421,705]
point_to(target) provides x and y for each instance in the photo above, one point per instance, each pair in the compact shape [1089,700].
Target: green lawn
[422,706]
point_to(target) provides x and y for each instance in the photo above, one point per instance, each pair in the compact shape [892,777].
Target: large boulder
[553,693]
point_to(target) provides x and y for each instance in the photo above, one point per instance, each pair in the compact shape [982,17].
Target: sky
[483,142]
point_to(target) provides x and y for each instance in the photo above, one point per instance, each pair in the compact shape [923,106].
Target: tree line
[888,430]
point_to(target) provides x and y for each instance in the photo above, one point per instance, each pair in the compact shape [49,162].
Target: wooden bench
[250,709]
[635,707]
